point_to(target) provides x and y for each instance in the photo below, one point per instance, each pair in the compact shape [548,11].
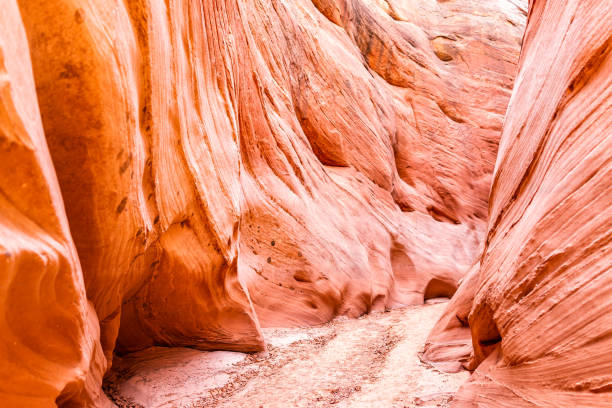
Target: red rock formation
[225,163]
[49,342]
[540,320]
[146,153]
[348,116]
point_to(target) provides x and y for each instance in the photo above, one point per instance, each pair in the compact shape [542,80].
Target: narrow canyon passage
[371,361]
[261,203]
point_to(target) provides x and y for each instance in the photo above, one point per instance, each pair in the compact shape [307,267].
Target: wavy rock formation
[540,317]
[226,164]
[137,107]
[368,135]
[49,346]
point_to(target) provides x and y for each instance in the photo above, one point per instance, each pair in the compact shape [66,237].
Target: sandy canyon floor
[367,362]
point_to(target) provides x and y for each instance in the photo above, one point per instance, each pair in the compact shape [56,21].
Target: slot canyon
[306,203]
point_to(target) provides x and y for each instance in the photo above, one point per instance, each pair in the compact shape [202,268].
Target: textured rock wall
[541,301]
[368,134]
[49,342]
[138,112]
[226,164]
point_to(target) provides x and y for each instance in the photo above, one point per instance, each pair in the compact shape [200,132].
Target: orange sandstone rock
[540,320]
[49,333]
[138,109]
[227,163]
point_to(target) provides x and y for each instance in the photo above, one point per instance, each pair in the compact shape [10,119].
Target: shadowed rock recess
[182,173]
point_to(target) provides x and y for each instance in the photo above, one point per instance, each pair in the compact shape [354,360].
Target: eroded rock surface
[367,157]
[230,164]
[541,301]
[49,341]
[146,151]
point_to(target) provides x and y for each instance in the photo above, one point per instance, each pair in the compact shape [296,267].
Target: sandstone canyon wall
[539,307]
[49,339]
[137,108]
[368,135]
[225,165]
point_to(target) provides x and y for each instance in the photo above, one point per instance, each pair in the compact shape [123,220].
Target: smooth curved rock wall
[49,346]
[541,301]
[367,152]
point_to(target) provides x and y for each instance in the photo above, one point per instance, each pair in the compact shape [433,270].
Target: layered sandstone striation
[539,306]
[226,164]
[367,152]
[138,111]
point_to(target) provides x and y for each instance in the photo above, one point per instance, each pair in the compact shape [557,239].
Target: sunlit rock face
[541,302]
[49,333]
[227,164]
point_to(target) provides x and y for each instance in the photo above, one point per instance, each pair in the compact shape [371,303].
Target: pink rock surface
[228,164]
[367,157]
[540,315]
[164,377]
